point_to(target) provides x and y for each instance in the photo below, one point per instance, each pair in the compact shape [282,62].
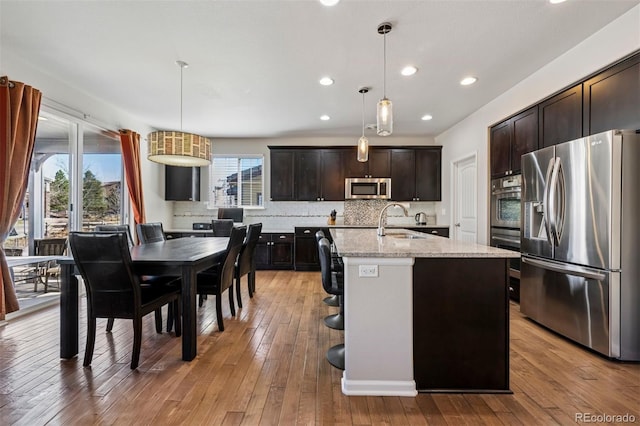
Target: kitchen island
[423,313]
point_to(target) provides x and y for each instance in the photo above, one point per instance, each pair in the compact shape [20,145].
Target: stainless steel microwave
[367,188]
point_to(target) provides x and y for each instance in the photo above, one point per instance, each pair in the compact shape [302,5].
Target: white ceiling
[255,65]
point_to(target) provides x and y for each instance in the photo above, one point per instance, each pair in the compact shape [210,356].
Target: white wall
[59,95]
[613,42]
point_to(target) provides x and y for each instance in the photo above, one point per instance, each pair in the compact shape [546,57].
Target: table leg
[189,332]
[68,312]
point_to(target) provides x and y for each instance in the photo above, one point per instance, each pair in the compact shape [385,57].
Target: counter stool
[332,285]
[333,299]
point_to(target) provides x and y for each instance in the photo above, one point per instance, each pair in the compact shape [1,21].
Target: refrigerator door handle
[574,270]
[554,212]
[545,201]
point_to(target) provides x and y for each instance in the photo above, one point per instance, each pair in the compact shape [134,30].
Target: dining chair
[113,289]
[150,232]
[246,265]
[219,278]
[49,269]
[222,227]
[117,228]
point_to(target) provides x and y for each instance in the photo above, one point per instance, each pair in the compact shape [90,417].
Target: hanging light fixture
[363,142]
[385,108]
[179,148]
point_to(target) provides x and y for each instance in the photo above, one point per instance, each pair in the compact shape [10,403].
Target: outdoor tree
[59,193]
[93,199]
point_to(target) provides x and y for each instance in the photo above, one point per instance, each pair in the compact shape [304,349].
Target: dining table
[183,257]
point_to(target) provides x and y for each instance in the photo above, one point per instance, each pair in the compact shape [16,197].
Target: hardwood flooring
[268,368]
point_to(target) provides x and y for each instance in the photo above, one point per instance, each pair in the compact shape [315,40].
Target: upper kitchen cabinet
[415,174]
[378,165]
[612,98]
[512,138]
[561,117]
[282,175]
[182,183]
[307,174]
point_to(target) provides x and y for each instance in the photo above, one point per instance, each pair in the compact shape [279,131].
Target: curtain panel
[19,109]
[130,145]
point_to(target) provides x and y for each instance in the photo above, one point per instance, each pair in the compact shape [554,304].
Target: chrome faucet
[380,226]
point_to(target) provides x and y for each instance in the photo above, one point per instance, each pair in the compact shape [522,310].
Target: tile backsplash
[285,215]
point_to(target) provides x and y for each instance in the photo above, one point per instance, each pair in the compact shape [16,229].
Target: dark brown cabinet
[612,98]
[182,183]
[561,117]
[510,139]
[416,174]
[378,165]
[306,248]
[440,231]
[282,175]
[308,166]
[274,251]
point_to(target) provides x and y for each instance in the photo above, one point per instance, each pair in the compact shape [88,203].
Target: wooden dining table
[183,257]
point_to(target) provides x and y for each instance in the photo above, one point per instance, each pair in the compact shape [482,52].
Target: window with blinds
[236,181]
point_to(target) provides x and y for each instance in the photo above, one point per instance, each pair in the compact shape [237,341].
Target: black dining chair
[117,228]
[114,290]
[150,232]
[219,278]
[332,285]
[221,227]
[246,264]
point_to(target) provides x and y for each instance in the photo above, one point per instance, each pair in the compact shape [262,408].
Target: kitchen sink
[407,236]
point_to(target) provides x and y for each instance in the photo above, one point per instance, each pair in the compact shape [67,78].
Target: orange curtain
[19,108]
[130,144]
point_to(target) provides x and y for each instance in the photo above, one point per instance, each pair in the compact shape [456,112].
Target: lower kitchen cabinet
[274,251]
[306,248]
[171,235]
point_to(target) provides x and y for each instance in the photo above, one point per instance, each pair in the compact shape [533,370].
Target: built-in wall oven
[505,224]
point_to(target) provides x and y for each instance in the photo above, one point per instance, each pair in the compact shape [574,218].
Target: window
[236,181]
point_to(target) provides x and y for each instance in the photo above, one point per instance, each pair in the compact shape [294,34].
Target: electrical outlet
[368,270]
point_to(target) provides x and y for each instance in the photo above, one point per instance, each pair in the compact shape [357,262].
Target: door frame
[454,164]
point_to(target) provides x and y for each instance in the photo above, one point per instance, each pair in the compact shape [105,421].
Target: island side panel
[461,324]
[377,329]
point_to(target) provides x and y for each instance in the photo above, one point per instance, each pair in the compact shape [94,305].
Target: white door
[465,216]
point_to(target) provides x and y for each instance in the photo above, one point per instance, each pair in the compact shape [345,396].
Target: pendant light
[179,148]
[363,142]
[385,108]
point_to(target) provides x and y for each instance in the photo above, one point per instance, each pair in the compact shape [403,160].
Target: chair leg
[177,316]
[251,282]
[238,291]
[169,317]
[109,325]
[158,315]
[91,340]
[137,342]
[232,305]
[219,312]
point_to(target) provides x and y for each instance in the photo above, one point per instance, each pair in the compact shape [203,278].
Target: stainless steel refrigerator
[580,241]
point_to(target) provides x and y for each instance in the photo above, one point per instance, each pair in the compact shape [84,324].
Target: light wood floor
[268,368]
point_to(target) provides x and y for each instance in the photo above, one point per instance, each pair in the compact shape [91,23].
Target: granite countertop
[398,243]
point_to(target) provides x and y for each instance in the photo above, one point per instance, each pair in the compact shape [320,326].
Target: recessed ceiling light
[42,118]
[325,117]
[427,117]
[468,80]
[556,1]
[329,2]
[326,81]
[409,70]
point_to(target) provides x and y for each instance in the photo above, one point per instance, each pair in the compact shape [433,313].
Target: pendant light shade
[384,112]
[363,142]
[179,148]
